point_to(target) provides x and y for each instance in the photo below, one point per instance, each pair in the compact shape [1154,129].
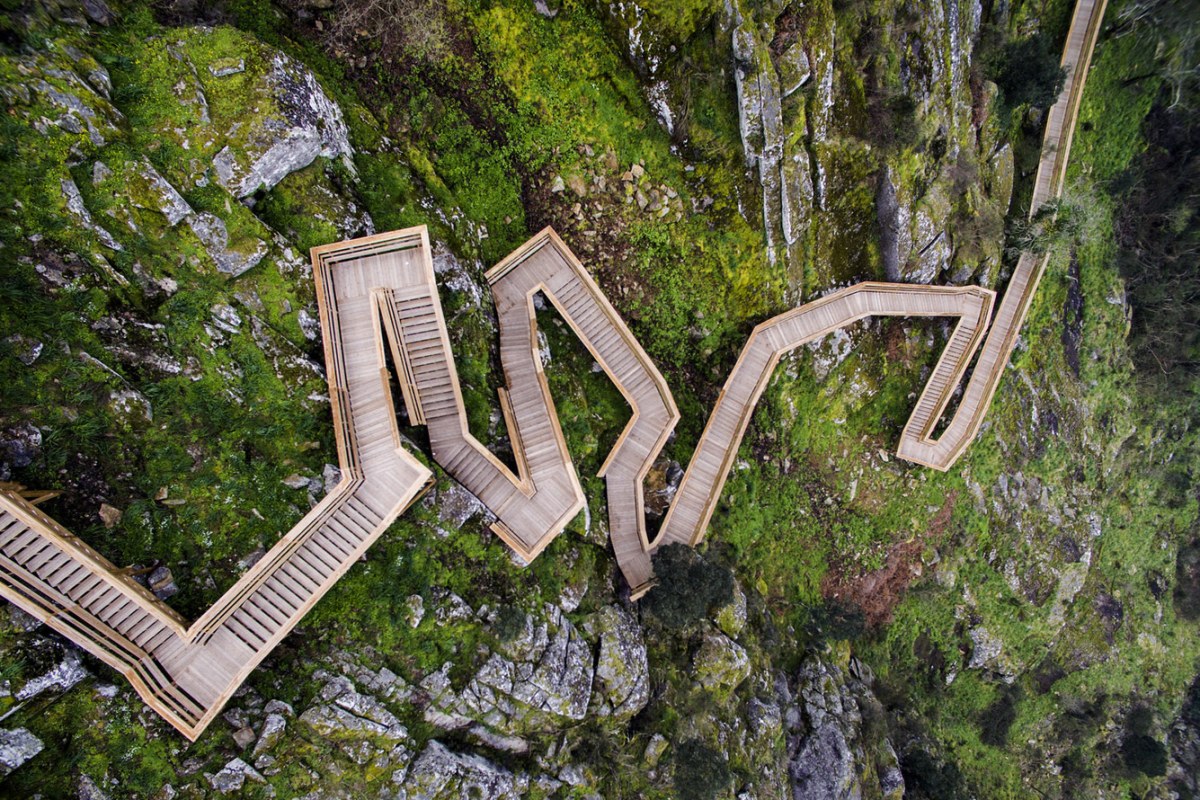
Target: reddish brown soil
[878,593]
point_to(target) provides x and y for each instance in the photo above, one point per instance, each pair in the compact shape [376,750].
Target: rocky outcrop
[343,710]
[214,236]
[731,617]
[833,723]
[622,683]
[305,124]
[74,201]
[987,654]
[16,747]
[720,663]
[760,121]
[540,678]
[662,482]
[62,676]
[442,774]
[20,444]
[233,776]
[548,676]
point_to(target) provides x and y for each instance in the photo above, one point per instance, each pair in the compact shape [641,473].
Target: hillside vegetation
[1025,624]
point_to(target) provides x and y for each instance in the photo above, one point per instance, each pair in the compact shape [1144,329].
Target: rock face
[731,618]
[19,445]
[541,677]
[63,676]
[833,749]
[810,163]
[344,710]
[16,747]
[622,684]
[720,663]
[214,235]
[987,653]
[233,776]
[456,505]
[307,124]
[441,774]
[662,482]
[760,121]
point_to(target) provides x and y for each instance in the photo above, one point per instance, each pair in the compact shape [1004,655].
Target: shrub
[700,771]
[1158,231]
[927,777]
[688,586]
[1028,72]
[997,719]
[1145,754]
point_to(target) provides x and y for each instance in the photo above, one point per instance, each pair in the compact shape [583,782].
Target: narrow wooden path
[546,264]
[1022,286]
[687,520]
[187,673]
[380,292]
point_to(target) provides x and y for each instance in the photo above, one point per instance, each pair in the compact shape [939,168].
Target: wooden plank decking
[915,444]
[545,264]
[187,673]
[381,290]
[687,519]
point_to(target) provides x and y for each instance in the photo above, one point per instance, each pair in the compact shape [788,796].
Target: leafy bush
[1143,753]
[997,719]
[700,771]
[926,777]
[1028,72]
[688,586]
[1158,230]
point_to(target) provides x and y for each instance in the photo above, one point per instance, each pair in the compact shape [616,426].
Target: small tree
[700,771]
[688,586]
[1027,72]
[1054,222]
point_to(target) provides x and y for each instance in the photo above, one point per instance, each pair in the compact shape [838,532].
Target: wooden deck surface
[380,291]
[187,673]
[689,514]
[1022,286]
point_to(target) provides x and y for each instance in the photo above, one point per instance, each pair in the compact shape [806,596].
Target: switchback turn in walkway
[382,288]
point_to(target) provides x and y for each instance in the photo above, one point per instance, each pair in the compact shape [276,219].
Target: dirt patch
[788,27]
[878,592]
[896,342]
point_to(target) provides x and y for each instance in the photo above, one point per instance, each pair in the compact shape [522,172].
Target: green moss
[306,207]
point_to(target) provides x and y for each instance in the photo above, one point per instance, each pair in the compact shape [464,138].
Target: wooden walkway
[187,673]
[545,264]
[380,291]
[1018,295]
[688,517]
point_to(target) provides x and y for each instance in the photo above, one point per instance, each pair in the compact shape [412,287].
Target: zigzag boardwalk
[187,673]
[688,517]
[383,287]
